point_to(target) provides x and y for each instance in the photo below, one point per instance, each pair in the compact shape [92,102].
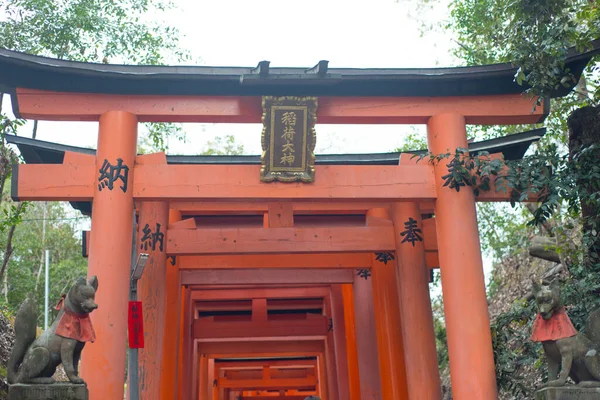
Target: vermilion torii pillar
[152,224]
[422,374]
[465,304]
[103,363]
[390,343]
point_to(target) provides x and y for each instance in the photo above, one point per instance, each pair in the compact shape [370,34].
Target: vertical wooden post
[387,319]
[351,351]
[171,327]
[330,358]
[465,305]
[366,339]
[103,362]
[339,339]
[187,347]
[203,377]
[153,222]
[422,373]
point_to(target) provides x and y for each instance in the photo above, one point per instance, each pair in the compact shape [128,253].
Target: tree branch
[9,249]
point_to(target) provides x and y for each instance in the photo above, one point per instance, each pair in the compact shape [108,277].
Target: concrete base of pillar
[55,391]
[568,393]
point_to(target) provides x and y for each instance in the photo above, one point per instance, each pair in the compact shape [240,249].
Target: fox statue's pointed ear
[93,282]
[535,286]
[80,282]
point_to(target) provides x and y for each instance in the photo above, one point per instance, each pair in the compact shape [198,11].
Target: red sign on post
[136,325]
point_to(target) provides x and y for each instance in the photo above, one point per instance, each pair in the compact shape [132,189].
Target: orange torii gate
[120,97]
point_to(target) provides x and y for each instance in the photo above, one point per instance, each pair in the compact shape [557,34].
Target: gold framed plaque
[288,139]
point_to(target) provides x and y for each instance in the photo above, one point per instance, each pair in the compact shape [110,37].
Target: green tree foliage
[125,31]
[45,225]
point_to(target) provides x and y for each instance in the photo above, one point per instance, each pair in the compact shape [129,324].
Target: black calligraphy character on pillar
[384,257]
[172,260]
[412,233]
[364,273]
[109,174]
[150,239]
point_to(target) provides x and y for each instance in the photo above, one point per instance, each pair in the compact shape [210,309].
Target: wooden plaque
[288,139]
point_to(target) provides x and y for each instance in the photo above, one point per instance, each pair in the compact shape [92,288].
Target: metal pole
[132,365]
[47,289]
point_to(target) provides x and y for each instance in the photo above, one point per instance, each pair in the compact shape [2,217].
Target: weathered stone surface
[568,393]
[55,391]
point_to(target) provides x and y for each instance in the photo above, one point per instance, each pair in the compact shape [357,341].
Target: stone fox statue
[35,360]
[573,354]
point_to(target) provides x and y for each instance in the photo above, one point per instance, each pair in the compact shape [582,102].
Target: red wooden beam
[206,328]
[267,277]
[282,240]
[492,110]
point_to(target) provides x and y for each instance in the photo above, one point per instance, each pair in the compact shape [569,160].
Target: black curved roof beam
[35,72]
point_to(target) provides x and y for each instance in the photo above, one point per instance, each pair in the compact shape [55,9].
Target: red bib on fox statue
[559,326]
[75,326]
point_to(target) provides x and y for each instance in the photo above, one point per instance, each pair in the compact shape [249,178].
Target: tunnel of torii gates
[251,290]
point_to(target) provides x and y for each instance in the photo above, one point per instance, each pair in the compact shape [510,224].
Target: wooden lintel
[75,182]
[315,326]
[254,293]
[283,261]
[257,364]
[493,110]
[289,383]
[282,240]
[267,276]
[281,215]
[262,348]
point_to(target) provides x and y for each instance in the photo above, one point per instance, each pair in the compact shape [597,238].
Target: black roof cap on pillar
[513,147]
[19,70]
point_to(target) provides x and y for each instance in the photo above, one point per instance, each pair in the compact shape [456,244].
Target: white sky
[347,33]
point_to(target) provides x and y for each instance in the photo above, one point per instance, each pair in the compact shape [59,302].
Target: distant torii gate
[120,97]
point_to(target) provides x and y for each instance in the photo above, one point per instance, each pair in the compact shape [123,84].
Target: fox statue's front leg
[67,351]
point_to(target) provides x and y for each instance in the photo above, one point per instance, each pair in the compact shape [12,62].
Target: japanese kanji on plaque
[288,139]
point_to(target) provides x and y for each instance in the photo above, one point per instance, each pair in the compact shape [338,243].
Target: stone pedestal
[55,391]
[568,393]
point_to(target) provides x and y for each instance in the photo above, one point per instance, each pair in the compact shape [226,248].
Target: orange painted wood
[267,293]
[203,381]
[351,350]
[110,256]
[387,321]
[248,208]
[68,182]
[366,339]
[252,261]
[289,383]
[432,259]
[225,365]
[282,240]
[259,310]
[267,277]
[152,158]
[240,182]
[171,328]
[207,328]
[494,110]
[187,348]
[339,341]
[268,348]
[188,223]
[422,375]
[330,359]
[152,294]
[76,182]
[286,397]
[281,215]
[72,157]
[429,234]
[471,367]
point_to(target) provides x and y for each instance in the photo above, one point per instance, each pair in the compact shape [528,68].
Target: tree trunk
[41,267]
[544,248]
[584,131]
[9,249]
